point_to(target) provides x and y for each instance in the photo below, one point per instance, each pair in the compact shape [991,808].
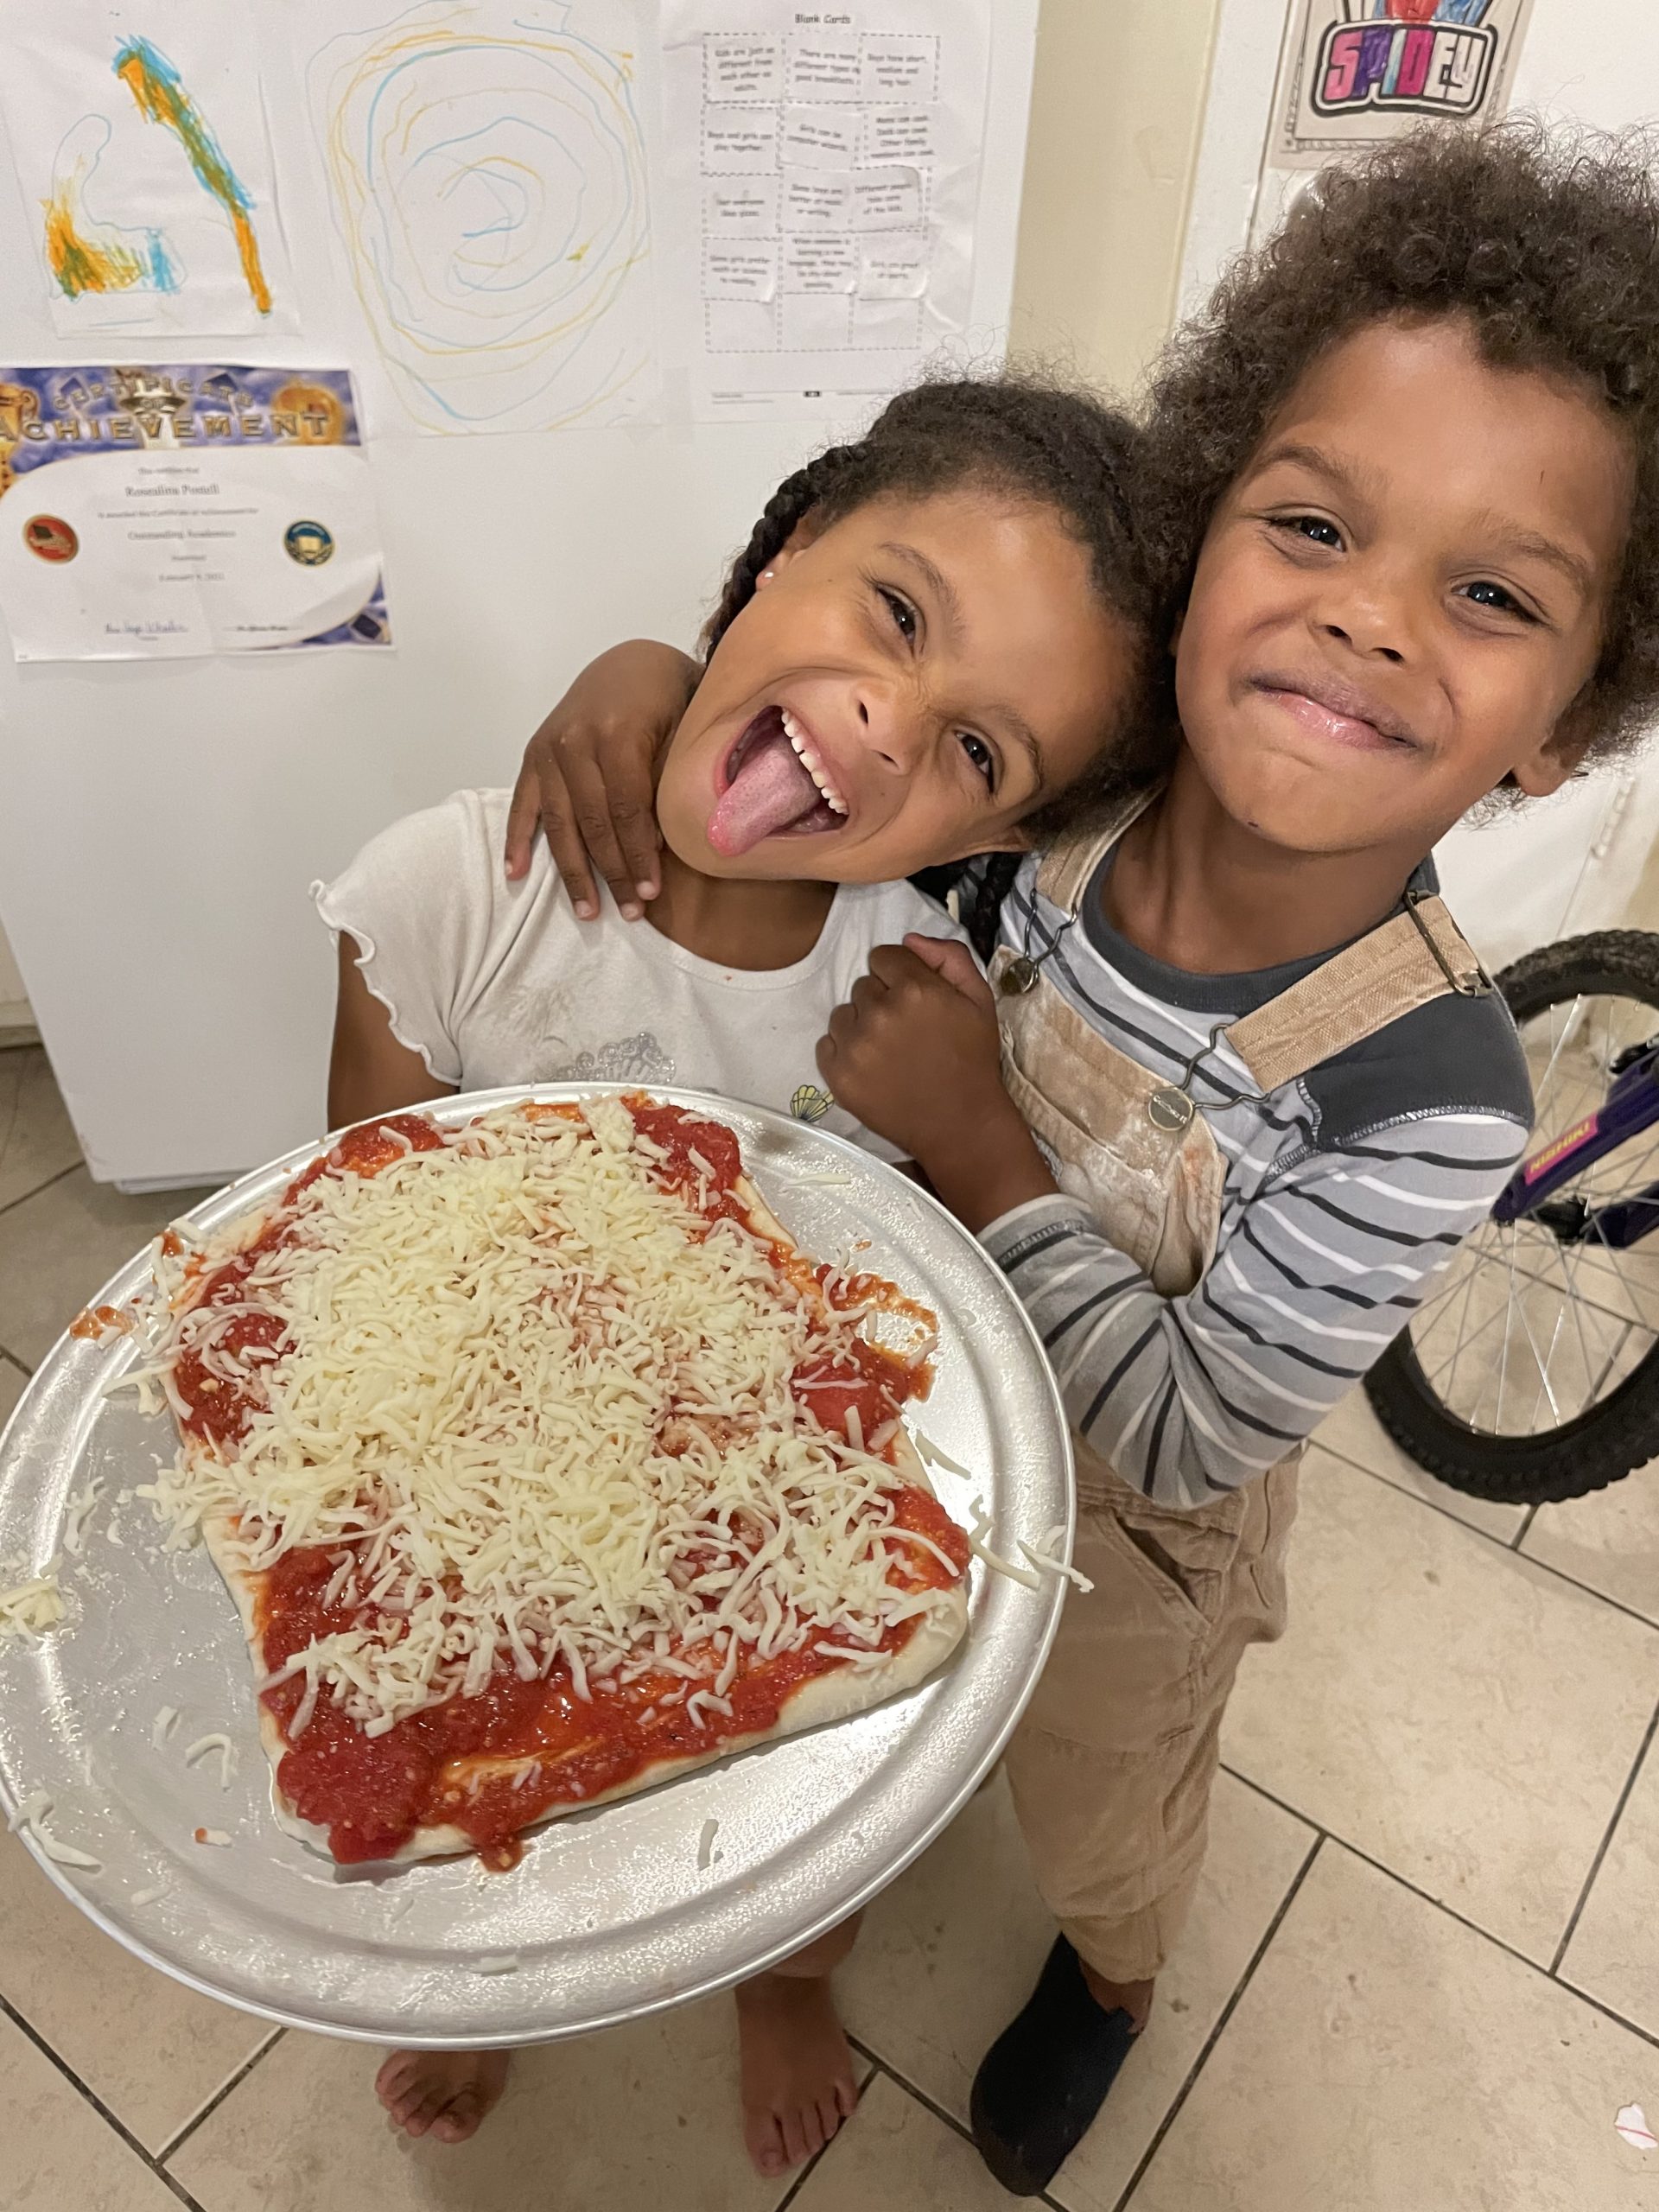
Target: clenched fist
[914,1055]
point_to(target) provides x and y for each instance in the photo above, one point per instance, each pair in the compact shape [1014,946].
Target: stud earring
[766,575]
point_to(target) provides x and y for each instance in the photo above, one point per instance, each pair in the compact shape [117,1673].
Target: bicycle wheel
[1531,1371]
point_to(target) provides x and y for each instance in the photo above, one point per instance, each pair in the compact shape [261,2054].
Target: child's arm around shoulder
[589,776]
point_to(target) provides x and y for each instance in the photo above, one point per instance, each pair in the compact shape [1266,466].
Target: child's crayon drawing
[144,151]
[486,169]
[154,83]
[1357,71]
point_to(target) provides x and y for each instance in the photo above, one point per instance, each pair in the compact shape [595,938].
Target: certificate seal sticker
[50,538]
[810,1103]
[308,543]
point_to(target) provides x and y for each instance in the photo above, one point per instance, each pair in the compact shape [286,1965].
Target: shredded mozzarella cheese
[31,1607]
[35,1814]
[537,1408]
[217,1742]
[1053,1566]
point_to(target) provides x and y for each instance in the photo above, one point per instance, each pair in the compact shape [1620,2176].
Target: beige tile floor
[1423,1970]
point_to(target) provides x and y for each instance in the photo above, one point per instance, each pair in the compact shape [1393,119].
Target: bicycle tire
[1604,1443]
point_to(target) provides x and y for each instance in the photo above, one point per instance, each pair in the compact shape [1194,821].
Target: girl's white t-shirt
[494,982]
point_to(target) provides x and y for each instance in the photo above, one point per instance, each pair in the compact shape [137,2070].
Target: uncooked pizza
[543,1468]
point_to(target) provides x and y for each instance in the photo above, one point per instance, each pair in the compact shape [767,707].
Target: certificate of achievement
[155,512]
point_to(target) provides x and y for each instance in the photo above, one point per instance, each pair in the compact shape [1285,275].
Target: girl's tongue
[771,790]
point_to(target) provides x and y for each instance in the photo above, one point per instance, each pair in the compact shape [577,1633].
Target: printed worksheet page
[821,173]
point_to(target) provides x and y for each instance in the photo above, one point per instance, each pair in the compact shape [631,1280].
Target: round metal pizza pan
[613,1913]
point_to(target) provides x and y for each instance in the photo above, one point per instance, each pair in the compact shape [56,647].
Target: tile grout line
[1173,2110]
[23,1197]
[920,2097]
[903,2082]
[1525,1529]
[1604,1846]
[11,2012]
[1498,1543]
[211,2105]
[823,2150]
[12,1360]
[1439,1905]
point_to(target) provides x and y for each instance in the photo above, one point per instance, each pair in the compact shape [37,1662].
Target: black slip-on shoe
[1041,2083]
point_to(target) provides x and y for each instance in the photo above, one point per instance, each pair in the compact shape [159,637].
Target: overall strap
[1417,954]
[1066,868]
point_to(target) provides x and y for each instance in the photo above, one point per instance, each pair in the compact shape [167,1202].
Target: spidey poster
[1358,71]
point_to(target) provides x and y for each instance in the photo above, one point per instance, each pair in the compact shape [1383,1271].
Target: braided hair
[1018,435]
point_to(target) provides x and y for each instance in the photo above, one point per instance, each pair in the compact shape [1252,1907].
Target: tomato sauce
[858,1378]
[680,1134]
[371,1793]
[101,1321]
[218,1411]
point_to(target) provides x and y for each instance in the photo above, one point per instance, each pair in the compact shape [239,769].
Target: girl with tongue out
[931,636]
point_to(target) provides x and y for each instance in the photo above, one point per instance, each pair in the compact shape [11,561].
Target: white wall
[14,1000]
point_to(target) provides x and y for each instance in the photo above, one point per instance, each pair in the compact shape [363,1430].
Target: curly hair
[1546,243]
[1018,435]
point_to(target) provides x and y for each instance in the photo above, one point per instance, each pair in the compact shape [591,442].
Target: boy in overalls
[1251,1086]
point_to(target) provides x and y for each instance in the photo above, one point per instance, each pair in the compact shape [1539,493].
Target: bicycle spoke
[1541,1089]
[1471,1280]
[1543,1372]
[1573,1306]
[1504,1363]
[1531,1329]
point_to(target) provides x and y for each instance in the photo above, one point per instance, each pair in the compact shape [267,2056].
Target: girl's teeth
[811,763]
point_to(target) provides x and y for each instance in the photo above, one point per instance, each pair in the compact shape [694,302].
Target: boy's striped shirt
[1345,1192]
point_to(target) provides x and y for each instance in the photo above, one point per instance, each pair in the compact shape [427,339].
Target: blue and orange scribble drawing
[91,257]
[96,258]
[154,83]
[488,177]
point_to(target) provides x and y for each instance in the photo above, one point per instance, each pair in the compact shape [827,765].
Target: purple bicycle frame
[1630,1106]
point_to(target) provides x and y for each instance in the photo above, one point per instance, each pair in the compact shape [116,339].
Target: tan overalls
[1112,1765]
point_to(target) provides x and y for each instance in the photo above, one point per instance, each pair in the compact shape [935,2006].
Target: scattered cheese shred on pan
[34,1807]
[977,1532]
[77,1513]
[35,1814]
[497,1963]
[31,1607]
[706,1844]
[217,1741]
[166,1720]
[1053,1566]
[932,1453]
[151,1896]
[210,1835]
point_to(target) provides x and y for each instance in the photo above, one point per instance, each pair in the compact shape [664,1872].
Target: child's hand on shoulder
[914,1055]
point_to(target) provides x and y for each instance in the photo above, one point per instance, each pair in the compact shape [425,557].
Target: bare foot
[446,2094]
[797,2068]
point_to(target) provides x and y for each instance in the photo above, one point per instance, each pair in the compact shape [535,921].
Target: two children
[1399,499]
[928,643]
